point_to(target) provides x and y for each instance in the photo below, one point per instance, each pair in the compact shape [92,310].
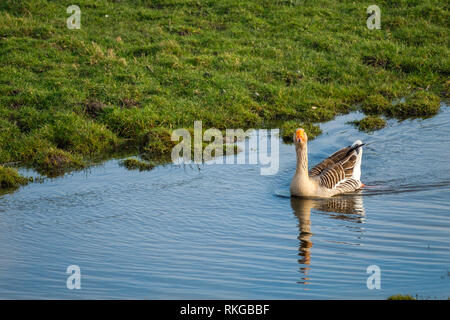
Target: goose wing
[337,171]
[329,162]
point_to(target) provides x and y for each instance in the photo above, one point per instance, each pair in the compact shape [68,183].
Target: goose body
[339,173]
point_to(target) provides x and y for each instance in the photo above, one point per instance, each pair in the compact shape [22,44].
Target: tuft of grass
[401,297]
[54,162]
[370,123]
[135,164]
[288,128]
[11,179]
[421,104]
[72,133]
[158,144]
[375,104]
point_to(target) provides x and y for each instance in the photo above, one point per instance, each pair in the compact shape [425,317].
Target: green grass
[421,104]
[138,69]
[10,178]
[136,164]
[288,129]
[401,297]
[370,123]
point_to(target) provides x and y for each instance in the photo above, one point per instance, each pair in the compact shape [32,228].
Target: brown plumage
[337,174]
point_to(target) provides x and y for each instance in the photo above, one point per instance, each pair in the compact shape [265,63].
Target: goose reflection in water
[348,207]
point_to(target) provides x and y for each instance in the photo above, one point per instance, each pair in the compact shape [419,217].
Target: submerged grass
[370,123]
[401,297]
[136,164]
[11,179]
[138,69]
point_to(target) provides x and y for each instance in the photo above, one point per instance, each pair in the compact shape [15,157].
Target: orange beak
[300,135]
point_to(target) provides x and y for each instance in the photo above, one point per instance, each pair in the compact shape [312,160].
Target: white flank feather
[357,169]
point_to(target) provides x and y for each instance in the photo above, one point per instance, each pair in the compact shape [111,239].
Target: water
[225,231]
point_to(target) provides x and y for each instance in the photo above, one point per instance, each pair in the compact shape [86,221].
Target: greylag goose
[339,173]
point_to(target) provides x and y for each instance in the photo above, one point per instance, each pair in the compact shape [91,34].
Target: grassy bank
[138,69]
[10,179]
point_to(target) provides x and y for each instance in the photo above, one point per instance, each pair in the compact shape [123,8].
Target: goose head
[300,138]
